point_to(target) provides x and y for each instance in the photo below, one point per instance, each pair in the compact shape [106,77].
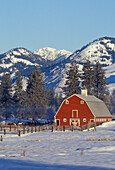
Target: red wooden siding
[74,110]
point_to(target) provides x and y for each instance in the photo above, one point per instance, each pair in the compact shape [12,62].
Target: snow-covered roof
[97,106]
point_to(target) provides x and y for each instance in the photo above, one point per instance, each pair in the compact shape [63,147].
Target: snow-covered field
[60,150]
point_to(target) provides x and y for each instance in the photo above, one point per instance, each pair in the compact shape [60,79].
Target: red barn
[78,110]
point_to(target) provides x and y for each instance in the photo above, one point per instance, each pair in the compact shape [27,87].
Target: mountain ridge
[54,63]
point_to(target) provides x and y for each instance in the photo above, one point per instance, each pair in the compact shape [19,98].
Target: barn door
[74,122]
[57,122]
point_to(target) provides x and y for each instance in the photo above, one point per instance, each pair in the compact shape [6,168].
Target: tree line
[92,77]
[36,101]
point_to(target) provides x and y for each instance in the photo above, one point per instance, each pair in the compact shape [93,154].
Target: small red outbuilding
[78,110]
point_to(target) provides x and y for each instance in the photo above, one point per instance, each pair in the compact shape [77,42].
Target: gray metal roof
[97,106]
[89,98]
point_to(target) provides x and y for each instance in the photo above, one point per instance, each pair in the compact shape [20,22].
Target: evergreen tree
[50,96]
[18,88]
[100,84]
[6,94]
[18,98]
[36,93]
[54,103]
[88,76]
[72,82]
[59,100]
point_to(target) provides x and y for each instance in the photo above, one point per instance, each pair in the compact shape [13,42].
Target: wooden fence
[19,130]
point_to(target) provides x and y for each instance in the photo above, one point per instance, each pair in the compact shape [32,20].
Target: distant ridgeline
[54,63]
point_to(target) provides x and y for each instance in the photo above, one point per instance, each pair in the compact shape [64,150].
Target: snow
[16,53]
[23,51]
[111,87]
[14,60]
[52,54]
[24,82]
[60,150]
[110,75]
[96,51]
[56,76]
[6,65]
[110,70]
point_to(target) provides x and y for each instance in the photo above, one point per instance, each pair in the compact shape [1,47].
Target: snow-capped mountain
[20,59]
[52,54]
[102,50]
[110,76]
[55,63]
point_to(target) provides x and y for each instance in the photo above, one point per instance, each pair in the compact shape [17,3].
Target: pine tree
[18,88]
[18,97]
[36,100]
[6,94]
[100,84]
[88,76]
[50,96]
[72,82]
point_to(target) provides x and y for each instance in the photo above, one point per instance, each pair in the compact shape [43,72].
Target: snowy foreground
[60,150]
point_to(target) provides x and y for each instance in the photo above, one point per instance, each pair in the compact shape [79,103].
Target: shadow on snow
[9,164]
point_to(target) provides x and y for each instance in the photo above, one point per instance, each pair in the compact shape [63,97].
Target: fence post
[51,128]
[31,129]
[23,129]
[10,128]
[4,131]
[56,127]
[81,128]
[27,129]
[38,129]
[64,128]
[95,126]
[1,139]
[18,132]
[72,128]
[88,126]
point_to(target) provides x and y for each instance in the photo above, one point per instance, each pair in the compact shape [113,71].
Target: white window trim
[84,119]
[75,120]
[64,120]
[67,101]
[76,113]
[82,102]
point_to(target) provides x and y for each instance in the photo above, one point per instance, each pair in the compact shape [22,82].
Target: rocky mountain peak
[52,54]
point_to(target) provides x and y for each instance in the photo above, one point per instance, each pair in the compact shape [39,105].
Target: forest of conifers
[37,101]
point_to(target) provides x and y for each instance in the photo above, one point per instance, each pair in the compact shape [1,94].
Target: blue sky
[60,24]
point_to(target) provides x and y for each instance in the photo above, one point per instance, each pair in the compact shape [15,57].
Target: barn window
[74,113]
[84,119]
[64,120]
[97,120]
[109,119]
[82,102]
[67,102]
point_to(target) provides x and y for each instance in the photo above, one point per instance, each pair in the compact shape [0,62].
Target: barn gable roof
[97,106]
